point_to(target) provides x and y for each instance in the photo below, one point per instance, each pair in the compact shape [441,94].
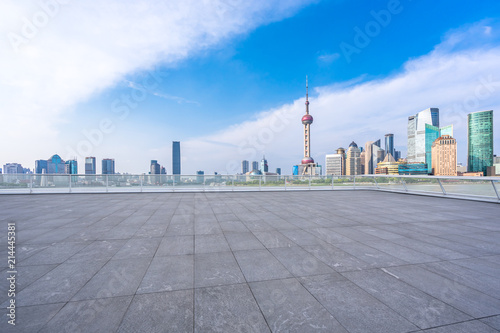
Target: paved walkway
[349,261]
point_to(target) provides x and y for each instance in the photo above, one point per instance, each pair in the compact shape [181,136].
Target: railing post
[31,183]
[173,183]
[376,183]
[285,181]
[141,183]
[310,181]
[404,184]
[232,183]
[106,183]
[354,182]
[204,179]
[495,188]
[260,183]
[69,184]
[442,188]
[332,182]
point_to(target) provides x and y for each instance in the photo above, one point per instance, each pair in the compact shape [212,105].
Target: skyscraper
[72,167]
[264,167]
[154,168]
[373,155]
[255,165]
[56,165]
[12,168]
[40,165]
[480,141]
[244,166]
[333,164]
[108,166]
[416,133]
[90,168]
[176,157]
[444,156]
[278,171]
[353,160]
[389,144]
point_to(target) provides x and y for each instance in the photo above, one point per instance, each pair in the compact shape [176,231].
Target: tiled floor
[346,261]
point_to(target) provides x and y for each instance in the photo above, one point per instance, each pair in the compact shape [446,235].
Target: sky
[123,79]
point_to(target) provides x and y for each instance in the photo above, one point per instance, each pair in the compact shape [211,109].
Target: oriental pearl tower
[307,162]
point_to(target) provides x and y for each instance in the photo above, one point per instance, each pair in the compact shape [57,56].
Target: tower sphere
[307,160]
[307,119]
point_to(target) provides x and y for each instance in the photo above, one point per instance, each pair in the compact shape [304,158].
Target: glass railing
[471,187]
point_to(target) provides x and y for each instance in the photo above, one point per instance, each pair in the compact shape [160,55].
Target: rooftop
[348,261]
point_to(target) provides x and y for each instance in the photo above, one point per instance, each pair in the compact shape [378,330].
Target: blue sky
[221,77]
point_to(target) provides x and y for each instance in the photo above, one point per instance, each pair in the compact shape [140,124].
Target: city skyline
[226,102]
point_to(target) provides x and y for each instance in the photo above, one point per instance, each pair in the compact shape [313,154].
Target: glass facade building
[480,141]
[431,134]
[413,169]
[56,165]
[176,158]
[416,133]
[255,165]
[90,168]
[108,166]
[245,165]
[389,144]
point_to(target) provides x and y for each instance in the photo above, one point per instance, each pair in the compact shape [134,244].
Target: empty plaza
[298,261]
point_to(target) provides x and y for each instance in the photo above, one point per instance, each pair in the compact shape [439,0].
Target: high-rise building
[389,144]
[255,165]
[431,135]
[397,155]
[278,171]
[353,160]
[55,165]
[341,151]
[263,165]
[363,160]
[71,167]
[480,141]
[40,165]
[154,168]
[244,166]
[13,168]
[334,164]
[90,166]
[176,158]
[373,155]
[108,166]
[416,133]
[444,156]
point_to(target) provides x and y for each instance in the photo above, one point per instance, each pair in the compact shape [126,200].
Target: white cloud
[57,53]
[454,78]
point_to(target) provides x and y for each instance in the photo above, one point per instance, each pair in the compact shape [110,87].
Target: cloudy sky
[123,79]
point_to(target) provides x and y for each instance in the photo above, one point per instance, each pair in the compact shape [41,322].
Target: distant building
[389,144]
[71,167]
[90,165]
[40,166]
[55,165]
[264,167]
[362,159]
[353,160]
[389,166]
[373,155]
[335,163]
[255,165]
[416,133]
[278,171]
[108,166]
[413,169]
[176,158]
[245,165]
[397,155]
[154,168]
[13,168]
[444,156]
[461,169]
[480,141]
